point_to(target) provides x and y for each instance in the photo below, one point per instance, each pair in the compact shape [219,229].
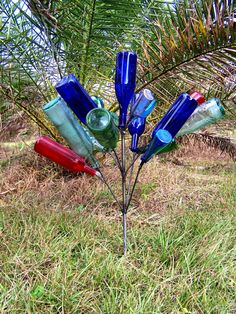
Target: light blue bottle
[98,101]
[161,139]
[149,109]
[70,129]
[143,104]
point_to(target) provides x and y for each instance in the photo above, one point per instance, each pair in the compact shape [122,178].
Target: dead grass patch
[31,181]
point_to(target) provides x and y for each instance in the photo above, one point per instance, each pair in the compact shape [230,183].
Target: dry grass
[61,242]
[33,181]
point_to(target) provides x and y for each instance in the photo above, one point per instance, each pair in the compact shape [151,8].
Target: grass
[61,251]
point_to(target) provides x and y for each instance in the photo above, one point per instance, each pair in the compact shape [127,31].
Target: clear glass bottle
[208,113]
[143,104]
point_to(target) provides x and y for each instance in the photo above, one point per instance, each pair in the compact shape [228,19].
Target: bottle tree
[89,128]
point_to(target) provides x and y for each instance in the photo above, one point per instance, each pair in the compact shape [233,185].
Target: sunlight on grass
[72,263]
[61,243]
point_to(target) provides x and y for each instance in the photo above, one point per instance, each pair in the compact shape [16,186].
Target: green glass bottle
[115,118]
[96,146]
[103,126]
[169,148]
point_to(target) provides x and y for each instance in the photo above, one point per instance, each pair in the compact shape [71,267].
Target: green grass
[54,263]
[68,259]
[72,263]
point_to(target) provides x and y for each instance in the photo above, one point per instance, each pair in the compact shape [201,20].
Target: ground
[61,237]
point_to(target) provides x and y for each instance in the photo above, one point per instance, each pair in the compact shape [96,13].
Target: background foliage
[181,45]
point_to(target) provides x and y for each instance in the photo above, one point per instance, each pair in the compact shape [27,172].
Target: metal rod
[116,158]
[123,168]
[103,179]
[130,176]
[123,176]
[135,182]
[124,223]
[136,158]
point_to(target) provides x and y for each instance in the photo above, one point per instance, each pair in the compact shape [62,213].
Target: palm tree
[192,47]
[182,45]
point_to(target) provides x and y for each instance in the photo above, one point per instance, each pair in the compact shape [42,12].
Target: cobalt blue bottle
[161,140]
[75,96]
[136,128]
[177,114]
[125,78]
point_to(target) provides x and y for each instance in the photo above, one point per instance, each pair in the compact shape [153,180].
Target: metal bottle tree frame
[127,190]
[162,137]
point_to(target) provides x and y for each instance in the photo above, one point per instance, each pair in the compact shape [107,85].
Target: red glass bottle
[198,97]
[62,155]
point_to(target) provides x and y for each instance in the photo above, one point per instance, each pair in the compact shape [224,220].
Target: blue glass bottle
[75,96]
[136,128]
[160,141]
[149,109]
[143,105]
[125,78]
[177,115]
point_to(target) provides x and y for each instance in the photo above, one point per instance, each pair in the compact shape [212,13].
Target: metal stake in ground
[123,176]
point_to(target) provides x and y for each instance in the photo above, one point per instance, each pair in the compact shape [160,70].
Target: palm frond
[193,47]
[88,32]
[221,143]
[20,96]
[182,45]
